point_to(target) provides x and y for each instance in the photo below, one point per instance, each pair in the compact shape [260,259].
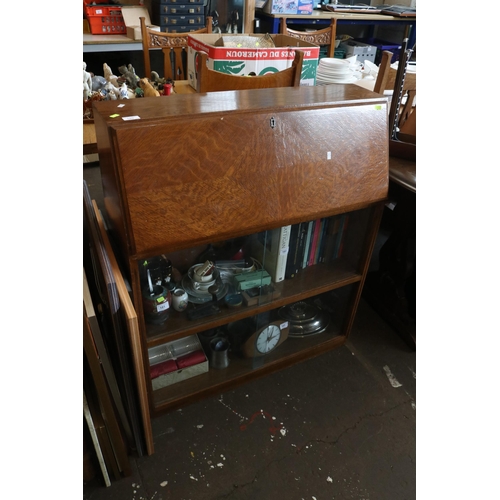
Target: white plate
[333,71]
[333,61]
[339,80]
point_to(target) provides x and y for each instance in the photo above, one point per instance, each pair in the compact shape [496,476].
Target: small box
[246,281]
[131,15]
[363,51]
[176,361]
[302,7]
[242,61]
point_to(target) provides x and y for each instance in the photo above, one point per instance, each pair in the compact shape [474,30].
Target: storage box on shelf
[104,19]
[175,361]
[198,176]
[179,17]
[269,53]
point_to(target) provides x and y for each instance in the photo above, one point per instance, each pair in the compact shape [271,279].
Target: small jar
[179,299]
[156,304]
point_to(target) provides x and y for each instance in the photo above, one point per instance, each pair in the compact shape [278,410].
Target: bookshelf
[196,177]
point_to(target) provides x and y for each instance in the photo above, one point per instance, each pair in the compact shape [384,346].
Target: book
[292,263]
[314,241]
[338,240]
[307,244]
[302,242]
[343,234]
[324,240]
[330,236]
[271,249]
[320,240]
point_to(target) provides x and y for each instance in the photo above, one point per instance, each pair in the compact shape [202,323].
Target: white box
[242,61]
[363,51]
[131,15]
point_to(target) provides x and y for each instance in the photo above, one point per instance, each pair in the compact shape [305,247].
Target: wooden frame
[174,46]
[133,332]
[112,319]
[325,36]
[209,80]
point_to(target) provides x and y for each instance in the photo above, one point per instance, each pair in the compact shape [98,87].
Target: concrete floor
[339,426]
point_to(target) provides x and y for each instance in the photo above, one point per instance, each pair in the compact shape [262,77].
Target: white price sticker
[162,307]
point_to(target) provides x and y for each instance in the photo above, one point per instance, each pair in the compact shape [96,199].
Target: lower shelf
[242,370]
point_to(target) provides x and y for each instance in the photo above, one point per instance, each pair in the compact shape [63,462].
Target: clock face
[268,339]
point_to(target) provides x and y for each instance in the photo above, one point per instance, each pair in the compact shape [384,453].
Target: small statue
[98,83]
[123,91]
[87,83]
[156,80]
[108,74]
[130,76]
[111,91]
[149,90]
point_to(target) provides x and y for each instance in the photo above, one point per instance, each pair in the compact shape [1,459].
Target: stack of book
[314,242]
[286,250]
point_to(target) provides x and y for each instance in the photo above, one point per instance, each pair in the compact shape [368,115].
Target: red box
[104,19]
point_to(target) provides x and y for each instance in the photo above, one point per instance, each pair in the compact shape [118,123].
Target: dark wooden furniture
[174,46]
[324,36]
[386,80]
[209,80]
[199,173]
[391,287]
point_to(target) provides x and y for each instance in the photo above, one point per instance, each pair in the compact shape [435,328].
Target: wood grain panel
[286,179]
[251,159]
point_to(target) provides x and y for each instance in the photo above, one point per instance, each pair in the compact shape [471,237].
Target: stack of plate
[333,70]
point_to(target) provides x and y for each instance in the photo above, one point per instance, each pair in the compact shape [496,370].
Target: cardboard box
[176,356]
[242,61]
[289,7]
[131,15]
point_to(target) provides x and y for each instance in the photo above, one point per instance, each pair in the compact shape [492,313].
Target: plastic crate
[105,19]
[381,46]
[338,54]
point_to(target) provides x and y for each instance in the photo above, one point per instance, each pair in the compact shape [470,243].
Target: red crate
[105,19]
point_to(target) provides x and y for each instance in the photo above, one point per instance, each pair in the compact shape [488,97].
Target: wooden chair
[174,46]
[209,80]
[386,80]
[324,36]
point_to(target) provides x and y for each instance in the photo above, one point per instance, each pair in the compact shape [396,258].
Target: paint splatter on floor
[392,379]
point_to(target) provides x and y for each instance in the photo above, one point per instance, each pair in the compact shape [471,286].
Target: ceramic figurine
[123,91]
[112,92]
[98,83]
[87,83]
[130,76]
[108,74]
[149,90]
[156,80]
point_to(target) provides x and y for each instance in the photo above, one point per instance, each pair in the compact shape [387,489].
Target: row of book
[314,242]
[287,250]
